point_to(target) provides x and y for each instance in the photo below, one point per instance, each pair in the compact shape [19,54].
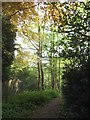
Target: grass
[23,104]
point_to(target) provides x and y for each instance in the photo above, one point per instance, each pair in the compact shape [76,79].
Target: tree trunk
[5,91]
[58,80]
[59,69]
[51,69]
[53,80]
[39,51]
[40,66]
[42,76]
[38,75]
[48,76]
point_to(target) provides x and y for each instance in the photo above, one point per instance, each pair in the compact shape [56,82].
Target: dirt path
[49,110]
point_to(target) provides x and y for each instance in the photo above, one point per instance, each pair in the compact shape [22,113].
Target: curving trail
[49,110]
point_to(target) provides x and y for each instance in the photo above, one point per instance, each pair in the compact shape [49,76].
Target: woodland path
[49,110]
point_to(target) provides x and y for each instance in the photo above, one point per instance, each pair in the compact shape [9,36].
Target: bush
[75,90]
[24,103]
[28,78]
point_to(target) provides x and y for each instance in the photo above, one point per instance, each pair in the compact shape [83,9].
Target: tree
[18,11]
[8,45]
[75,76]
[8,38]
[20,14]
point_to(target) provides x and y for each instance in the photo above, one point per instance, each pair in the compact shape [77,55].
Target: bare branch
[33,45]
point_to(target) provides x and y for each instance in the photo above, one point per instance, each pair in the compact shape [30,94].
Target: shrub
[75,90]
[25,102]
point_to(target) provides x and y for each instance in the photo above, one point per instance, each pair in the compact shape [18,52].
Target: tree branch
[33,45]
[19,11]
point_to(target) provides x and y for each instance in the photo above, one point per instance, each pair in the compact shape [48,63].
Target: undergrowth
[22,105]
[70,112]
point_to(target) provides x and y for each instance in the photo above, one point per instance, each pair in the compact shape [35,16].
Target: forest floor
[49,110]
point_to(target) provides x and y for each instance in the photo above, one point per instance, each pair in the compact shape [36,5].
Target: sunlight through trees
[45,46]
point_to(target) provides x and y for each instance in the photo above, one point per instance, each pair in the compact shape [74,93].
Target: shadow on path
[49,110]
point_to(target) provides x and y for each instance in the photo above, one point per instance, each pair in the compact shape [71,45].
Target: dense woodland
[45,54]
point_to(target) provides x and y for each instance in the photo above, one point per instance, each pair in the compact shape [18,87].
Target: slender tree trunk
[59,68]
[39,62]
[58,84]
[59,73]
[48,77]
[38,75]
[40,66]
[51,69]
[39,51]
[53,80]
[42,76]
[51,63]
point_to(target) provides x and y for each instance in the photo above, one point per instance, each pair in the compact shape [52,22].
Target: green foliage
[8,37]
[24,103]
[66,111]
[66,46]
[28,77]
[75,75]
